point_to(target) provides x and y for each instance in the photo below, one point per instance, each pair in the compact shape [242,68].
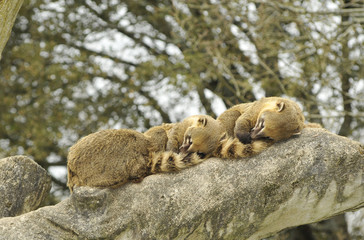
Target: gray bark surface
[23,185]
[302,180]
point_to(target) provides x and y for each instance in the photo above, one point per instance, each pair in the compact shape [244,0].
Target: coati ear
[201,122]
[280,106]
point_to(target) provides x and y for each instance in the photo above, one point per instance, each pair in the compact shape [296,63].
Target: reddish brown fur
[282,119]
[158,136]
[108,158]
[204,131]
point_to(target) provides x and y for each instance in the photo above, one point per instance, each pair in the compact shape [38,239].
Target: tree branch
[153,102]
[306,179]
[101,54]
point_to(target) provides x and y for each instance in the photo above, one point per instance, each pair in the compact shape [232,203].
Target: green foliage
[73,67]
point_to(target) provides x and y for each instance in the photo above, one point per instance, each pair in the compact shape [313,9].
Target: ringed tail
[171,161]
[232,148]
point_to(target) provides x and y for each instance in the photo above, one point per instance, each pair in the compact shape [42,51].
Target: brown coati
[273,118]
[204,136]
[205,132]
[208,138]
[177,133]
[110,158]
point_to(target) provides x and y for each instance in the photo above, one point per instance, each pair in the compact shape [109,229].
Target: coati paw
[244,137]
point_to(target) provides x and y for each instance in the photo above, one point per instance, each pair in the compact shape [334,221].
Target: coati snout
[202,136]
[278,123]
[195,141]
[271,118]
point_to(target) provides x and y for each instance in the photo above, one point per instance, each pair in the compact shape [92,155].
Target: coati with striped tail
[272,118]
[207,137]
[256,125]
[203,136]
[203,129]
[110,158]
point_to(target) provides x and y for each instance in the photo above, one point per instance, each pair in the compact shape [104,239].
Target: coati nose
[201,155]
[244,138]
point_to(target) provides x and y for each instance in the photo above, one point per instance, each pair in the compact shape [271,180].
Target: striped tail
[171,161]
[232,148]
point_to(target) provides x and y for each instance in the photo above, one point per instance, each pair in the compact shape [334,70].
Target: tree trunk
[8,11]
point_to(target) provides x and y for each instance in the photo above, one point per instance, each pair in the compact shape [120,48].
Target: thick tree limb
[303,180]
[8,11]
[23,185]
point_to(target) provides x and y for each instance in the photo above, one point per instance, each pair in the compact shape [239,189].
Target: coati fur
[273,118]
[206,136]
[170,161]
[203,137]
[110,158]
[158,136]
[232,148]
[205,131]
[177,133]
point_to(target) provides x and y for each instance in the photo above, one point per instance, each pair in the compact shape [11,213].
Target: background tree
[71,67]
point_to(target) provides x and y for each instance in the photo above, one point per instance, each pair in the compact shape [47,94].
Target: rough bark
[23,185]
[306,179]
[8,11]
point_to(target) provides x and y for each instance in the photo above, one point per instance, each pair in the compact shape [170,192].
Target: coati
[207,137]
[203,136]
[205,131]
[272,118]
[110,158]
[256,125]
